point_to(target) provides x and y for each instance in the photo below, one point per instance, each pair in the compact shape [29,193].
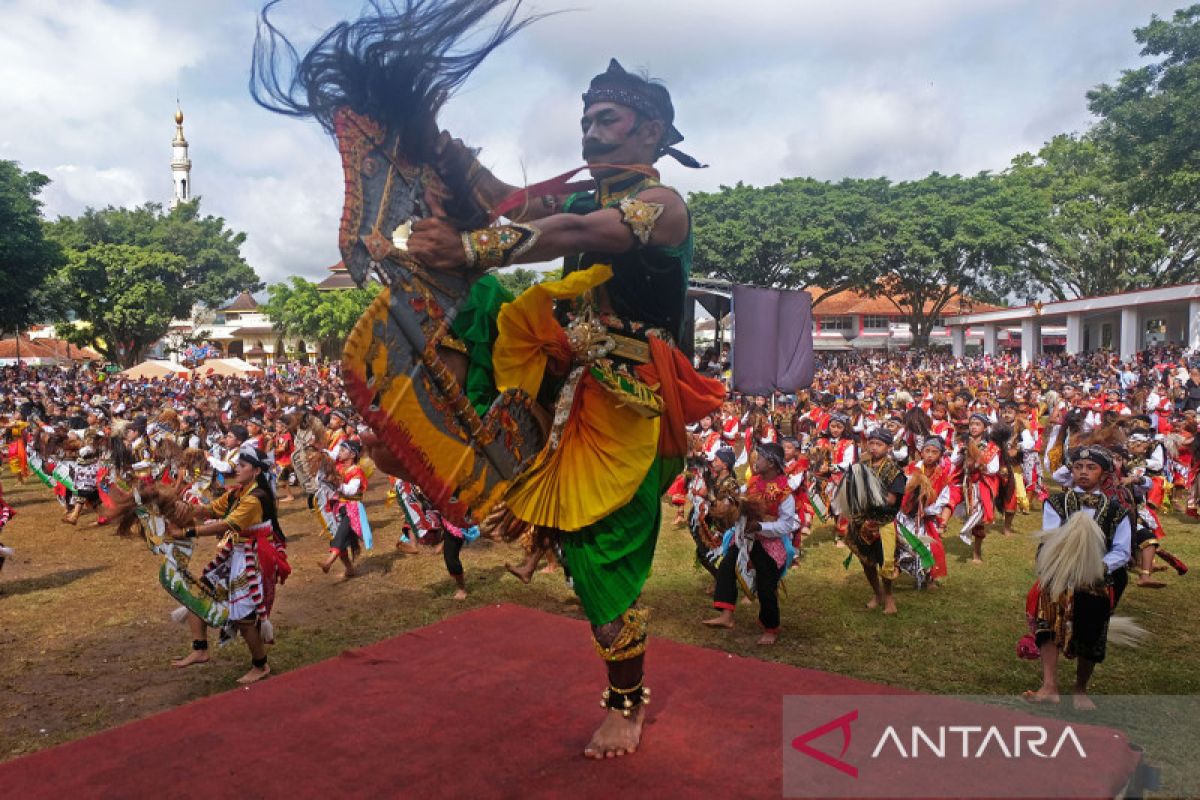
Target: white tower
[181,165]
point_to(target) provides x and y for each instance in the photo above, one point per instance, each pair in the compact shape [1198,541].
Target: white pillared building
[239,330]
[1122,323]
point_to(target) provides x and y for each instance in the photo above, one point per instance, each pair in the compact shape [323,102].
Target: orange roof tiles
[47,348]
[853,302]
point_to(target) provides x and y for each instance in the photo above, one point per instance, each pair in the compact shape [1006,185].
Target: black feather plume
[397,64]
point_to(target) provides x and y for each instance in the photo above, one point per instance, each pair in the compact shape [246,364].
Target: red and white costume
[926,510]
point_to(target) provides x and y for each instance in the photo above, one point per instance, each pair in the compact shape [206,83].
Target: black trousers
[451,546]
[702,551]
[766,584]
[344,538]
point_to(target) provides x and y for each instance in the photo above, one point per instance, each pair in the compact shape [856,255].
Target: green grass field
[85,638]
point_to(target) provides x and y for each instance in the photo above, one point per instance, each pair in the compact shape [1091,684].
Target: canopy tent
[149,370]
[229,366]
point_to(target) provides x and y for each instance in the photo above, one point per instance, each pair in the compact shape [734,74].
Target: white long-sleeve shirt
[1114,559]
[1157,460]
[939,503]
[784,525]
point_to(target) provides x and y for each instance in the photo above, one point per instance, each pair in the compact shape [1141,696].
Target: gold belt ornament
[630,349]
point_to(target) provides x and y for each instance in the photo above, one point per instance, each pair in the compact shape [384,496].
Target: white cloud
[122,187]
[864,131]
[763,90]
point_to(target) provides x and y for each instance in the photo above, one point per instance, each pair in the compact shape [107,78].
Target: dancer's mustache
[591,149]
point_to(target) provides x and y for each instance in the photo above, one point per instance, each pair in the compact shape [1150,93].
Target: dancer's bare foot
[325,565]
[722,620]
[976,560]
[461,594]
[616,736]
[874,602]
[1009,531]
[549,569]
[255,674]
[1147,582]
[1043,696]
[194,657]
[1081,702]
[408,548]
[839,543]
[287,499]
[889,605]
[768,638]
[523,573]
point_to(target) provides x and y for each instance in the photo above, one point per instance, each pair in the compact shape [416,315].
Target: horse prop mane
[377,84]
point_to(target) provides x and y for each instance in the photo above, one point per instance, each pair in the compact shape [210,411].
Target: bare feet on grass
[722,620]
[194,657]
[1081,702]
[255,674]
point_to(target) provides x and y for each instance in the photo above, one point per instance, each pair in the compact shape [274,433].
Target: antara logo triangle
[842,723]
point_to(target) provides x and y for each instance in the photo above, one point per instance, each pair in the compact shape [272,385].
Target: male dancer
[643,230]
[1075,622]
[872,536]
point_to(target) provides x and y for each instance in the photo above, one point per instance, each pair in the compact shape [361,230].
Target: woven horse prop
[377,84]
[154,508]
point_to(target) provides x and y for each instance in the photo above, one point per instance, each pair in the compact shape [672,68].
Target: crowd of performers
[883,475]
[886,466]
[181,460]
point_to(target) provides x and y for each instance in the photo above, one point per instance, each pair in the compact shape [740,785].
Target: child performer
[353,530]
[760,547]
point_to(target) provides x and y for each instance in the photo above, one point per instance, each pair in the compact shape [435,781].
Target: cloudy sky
[763,89]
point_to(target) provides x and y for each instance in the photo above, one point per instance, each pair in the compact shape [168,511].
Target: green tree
[798,233]
[519,279]
[299,309]
[1151,117]
[27,257]
[947,236]
[197,258]
[215,268]
[1096,240]
[1150,126]
[124,295]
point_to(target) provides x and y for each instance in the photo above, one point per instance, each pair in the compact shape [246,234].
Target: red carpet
[495,702]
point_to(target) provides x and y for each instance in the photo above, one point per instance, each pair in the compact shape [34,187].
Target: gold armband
[491,248]
[640,216]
